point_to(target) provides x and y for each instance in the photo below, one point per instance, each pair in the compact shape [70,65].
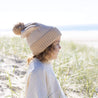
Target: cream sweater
[43,82]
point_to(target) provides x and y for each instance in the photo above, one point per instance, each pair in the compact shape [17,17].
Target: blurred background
[76,19]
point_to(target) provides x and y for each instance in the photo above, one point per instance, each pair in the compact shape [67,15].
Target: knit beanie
[38,36]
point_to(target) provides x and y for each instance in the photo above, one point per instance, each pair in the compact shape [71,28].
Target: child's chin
[55,58]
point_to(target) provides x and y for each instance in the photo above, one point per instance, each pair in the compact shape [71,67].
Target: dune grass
[76,66]
[77,69]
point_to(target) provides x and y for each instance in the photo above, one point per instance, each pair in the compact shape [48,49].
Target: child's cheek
[56,47]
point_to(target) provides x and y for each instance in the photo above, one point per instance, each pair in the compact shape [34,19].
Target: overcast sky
[50,12]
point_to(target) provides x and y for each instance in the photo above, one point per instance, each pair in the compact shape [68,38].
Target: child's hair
[44,56]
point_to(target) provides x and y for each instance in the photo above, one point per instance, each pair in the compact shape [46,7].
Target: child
[44,42]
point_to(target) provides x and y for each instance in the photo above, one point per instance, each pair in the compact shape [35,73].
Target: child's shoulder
[37,65]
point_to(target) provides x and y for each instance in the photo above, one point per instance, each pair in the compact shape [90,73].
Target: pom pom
[18,28]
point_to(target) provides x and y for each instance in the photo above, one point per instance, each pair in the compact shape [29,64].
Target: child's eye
[58,43]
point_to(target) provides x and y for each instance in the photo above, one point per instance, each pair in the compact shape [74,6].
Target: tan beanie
[38,36]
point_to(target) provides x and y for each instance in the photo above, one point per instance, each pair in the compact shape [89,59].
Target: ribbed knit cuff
[40,45]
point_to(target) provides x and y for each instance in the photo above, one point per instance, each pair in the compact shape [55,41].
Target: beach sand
[89,38]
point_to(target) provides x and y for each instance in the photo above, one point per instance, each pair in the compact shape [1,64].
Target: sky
[49,12]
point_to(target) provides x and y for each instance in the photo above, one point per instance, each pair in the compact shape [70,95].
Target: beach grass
[76,67]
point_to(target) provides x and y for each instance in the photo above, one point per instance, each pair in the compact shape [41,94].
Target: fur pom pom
[18,28]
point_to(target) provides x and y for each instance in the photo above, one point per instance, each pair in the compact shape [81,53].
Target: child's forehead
[58,39]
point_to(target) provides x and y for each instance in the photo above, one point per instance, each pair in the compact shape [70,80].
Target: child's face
[57,47]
